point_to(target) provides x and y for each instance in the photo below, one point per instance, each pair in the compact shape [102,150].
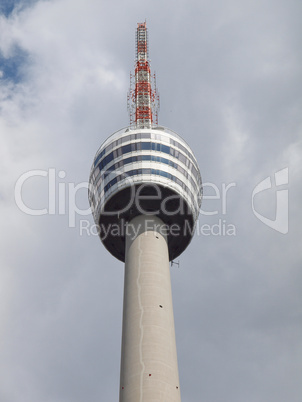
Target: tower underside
[141,198]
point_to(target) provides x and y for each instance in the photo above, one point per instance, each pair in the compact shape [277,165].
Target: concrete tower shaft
[149,370]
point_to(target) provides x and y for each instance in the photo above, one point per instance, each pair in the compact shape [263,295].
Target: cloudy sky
[229,77]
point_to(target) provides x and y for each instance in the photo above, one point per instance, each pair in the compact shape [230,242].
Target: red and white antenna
[143,99]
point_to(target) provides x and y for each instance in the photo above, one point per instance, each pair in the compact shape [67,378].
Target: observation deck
[145,171]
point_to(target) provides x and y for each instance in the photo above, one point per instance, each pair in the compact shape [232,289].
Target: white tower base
[149,370]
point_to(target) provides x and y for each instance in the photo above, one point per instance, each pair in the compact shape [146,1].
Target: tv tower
[145,193]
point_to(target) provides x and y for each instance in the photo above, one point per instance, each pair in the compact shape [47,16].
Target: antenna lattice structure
[143,99]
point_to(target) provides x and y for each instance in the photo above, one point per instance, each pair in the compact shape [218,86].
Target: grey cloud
[229,82]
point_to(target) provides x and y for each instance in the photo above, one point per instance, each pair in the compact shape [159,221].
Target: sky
[229,78]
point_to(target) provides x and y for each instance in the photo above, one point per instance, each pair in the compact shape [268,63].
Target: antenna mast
[143,99]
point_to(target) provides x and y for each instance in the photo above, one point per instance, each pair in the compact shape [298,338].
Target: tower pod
[145,172]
